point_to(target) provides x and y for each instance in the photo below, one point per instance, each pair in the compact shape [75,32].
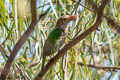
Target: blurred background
[101,48]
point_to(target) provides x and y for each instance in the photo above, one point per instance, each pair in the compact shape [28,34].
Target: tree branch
[20,71]
[94,9]
[22,40]
[74,41]
[109,20]
[100,67]
[34,10]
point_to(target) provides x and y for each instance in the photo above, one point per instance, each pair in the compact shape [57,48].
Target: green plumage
[55,34]
[55,38]
[51,41]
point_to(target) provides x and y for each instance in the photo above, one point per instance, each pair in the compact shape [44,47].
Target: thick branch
[33,10]
[21,41]
[74,41]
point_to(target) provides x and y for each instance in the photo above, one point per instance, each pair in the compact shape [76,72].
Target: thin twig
[94,9]
[100,67]
[110,76]
[57,73]
[77,33]
[84,6]
[21,72]
[33,64]
[54,2]
[2,50]
[109,20]
[62,52]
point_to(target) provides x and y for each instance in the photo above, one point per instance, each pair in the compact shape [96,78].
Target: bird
[54,41]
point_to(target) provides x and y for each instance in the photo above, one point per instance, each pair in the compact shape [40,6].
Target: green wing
[50,43]
[55,34]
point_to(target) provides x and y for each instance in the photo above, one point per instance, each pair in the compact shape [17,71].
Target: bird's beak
[72,18]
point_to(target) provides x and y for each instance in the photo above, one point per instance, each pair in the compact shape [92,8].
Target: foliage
[102,47]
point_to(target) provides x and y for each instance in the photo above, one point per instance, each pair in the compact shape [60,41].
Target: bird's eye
[64,19]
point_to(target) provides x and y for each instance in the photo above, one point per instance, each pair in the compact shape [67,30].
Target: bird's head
[64,20]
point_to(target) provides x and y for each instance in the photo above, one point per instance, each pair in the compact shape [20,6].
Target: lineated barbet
[53,40]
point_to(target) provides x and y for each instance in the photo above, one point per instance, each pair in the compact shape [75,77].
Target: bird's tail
[43,62]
